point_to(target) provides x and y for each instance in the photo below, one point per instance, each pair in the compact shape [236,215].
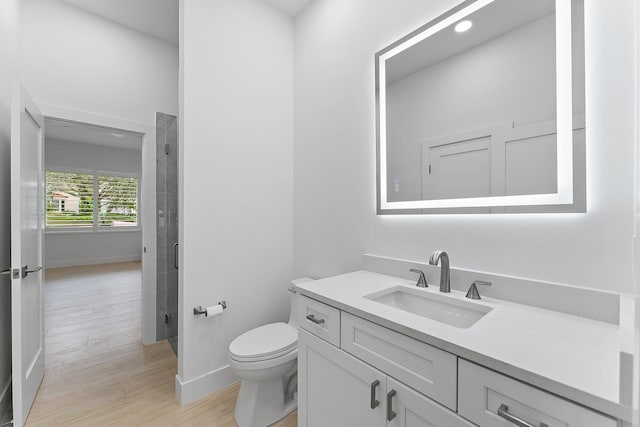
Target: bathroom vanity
[376,350]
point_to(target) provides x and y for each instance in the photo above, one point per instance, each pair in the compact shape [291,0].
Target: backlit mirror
[482,111]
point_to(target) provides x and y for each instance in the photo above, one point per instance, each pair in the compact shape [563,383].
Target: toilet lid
[273,339]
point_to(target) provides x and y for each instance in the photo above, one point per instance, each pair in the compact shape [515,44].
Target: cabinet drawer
[484,392]
[427,369]
[320,319]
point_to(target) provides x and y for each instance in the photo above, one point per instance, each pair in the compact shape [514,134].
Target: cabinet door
[408,408]
[335,389]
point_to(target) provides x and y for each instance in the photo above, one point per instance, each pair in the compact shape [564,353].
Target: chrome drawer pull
[391,414]
[503,412]
[312,318]
[374,402]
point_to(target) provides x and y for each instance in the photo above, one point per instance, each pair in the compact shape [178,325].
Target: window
[90,201]
[118,200]
[69,200]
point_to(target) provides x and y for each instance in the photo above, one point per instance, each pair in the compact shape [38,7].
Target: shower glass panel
[167,228]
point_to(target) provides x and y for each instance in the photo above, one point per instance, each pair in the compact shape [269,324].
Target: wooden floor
[98,373]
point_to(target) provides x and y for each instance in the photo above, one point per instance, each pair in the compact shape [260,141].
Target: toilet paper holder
[198,310]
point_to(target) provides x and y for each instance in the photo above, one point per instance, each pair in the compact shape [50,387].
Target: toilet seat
[266,342]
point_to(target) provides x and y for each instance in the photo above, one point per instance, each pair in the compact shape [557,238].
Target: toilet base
[262,403]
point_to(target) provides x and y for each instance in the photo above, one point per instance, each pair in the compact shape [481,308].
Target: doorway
[93,242]
[119,147]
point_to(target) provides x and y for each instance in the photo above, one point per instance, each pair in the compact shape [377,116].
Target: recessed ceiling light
[463,26]
[117,135]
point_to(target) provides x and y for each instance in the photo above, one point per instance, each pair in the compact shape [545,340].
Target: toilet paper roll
[214,310]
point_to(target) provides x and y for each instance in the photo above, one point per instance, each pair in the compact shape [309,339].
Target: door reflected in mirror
[482,111]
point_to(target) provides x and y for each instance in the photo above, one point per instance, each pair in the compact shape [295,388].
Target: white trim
[636,231]
[147,184]
[148,218]
[93,261]
[90,230]
[564,196]
[192,390]
[93,147]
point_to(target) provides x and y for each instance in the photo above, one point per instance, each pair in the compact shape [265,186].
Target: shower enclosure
[167,229]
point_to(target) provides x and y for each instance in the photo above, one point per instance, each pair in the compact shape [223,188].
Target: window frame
[95,228]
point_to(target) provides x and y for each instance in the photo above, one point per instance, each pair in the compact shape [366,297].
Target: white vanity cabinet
[369,375]
[336,389]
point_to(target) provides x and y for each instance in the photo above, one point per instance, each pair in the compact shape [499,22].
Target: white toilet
[265,359]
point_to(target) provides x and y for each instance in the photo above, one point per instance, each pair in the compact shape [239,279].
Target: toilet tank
[293,311]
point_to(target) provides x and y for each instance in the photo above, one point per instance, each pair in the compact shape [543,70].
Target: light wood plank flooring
[98,373]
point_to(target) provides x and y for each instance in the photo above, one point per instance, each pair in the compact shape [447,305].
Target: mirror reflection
[471,110]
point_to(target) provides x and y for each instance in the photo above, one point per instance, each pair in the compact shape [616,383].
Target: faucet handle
[473,293]
[422,281]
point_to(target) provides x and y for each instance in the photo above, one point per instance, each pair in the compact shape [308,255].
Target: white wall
[73,59]
[236,163]
[104,72]
[335,220]
[636,366]
[9,71]
[64,249]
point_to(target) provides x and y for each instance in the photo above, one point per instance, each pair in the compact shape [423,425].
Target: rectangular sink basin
[461,314]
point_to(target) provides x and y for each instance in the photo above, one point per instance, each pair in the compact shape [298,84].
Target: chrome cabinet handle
[26,271]
[391,414]
[312,318]
[175,255]
[6,272]
[374,402]
[503,412]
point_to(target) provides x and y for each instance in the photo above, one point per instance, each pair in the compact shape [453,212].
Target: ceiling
[92,135]
[290,7]
[491,21]
[157,18]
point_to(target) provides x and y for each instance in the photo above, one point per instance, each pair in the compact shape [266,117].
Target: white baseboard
[92,261]
[5,401]
[192,390]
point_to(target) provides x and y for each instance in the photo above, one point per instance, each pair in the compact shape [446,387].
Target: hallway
[97,370]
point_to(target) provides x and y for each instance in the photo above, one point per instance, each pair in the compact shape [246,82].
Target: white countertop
[571,356]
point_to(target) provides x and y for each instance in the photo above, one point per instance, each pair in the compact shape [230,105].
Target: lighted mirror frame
[564,196]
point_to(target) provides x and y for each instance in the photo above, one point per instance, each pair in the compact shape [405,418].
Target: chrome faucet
[445,277]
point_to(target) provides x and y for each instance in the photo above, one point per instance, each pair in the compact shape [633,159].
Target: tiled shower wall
[167,225]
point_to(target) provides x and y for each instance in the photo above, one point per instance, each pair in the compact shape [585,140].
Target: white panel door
[27,230]
[408,408]
[336,389]
[461,169]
